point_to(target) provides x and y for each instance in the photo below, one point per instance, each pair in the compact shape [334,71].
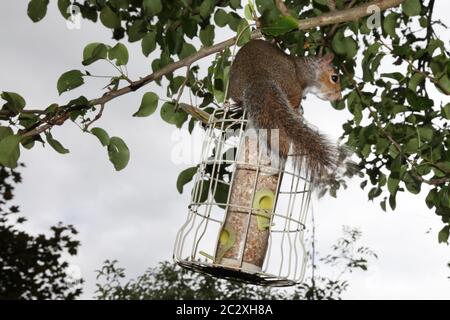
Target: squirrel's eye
[334,78]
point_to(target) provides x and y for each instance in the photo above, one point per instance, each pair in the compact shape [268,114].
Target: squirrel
[270,84]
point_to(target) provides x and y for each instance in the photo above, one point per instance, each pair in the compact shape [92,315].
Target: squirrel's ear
[328,58]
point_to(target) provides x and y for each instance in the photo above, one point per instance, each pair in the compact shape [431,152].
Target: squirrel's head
[324,82]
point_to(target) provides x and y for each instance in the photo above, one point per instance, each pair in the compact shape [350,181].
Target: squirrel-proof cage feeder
[246,219]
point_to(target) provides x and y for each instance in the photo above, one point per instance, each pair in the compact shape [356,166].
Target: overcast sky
[133,215]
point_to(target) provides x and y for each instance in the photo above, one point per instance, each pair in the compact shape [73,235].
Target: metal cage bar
[199,239]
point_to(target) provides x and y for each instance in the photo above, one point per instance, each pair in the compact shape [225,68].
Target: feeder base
[237,274]
[234,264]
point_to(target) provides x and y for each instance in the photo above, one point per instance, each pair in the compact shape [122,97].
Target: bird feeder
[246,218]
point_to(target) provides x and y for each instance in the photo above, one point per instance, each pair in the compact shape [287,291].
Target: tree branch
[350,14]
[338,16]
[332,17]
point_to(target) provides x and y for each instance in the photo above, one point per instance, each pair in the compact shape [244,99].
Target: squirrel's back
[261,59]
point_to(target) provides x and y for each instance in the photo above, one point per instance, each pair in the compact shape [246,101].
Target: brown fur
[269,85]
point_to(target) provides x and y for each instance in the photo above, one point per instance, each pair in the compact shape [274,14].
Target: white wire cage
[246,218]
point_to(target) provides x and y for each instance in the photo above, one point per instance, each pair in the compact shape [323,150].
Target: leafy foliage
[396,94]
[168,281]
[32,267]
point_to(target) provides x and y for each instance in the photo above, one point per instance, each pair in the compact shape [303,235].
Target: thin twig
[183,85]
[282,7]
[98,116]
[415,69]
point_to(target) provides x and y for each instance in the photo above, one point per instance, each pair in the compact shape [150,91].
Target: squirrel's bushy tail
[268,108]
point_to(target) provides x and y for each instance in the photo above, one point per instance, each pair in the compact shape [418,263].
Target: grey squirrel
[270,84]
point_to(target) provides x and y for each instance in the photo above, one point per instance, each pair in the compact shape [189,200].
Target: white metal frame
[283,267]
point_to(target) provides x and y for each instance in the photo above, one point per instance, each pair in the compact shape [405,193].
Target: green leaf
[281,26]
[345,46]
[63,5]
[148,43]
[411,183]
[152,7]
[243,33]
[206,8]
[444,84]
[221,194]
[81,101]
[55,144]
[393,185]
[93,52]
[418,102]
[433,45]
[185,177]
[136,31]
[235,4]
[109,18]
[28,120]
[221,18]
[411,7]
[444,234]
[392,202]
[37,9]
[233,21]
[394,75]
[415,80]
[102,135]
[190,27]
[171,116]
[432,198]
[119,53]
[167,112]
[174,40]
[248,12]
[10,150]
[446,111]
[28,143]
[423,169]
[444,197]
[148,106]
[70,80]
[412,146]
[175,85]
[383,204]
[5,132]
[118,153]
[423,21]
[207,36]
[200,191]
[374,193]
[187,50]
[426,133]
[389,24]
[338,43]
[14,101]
